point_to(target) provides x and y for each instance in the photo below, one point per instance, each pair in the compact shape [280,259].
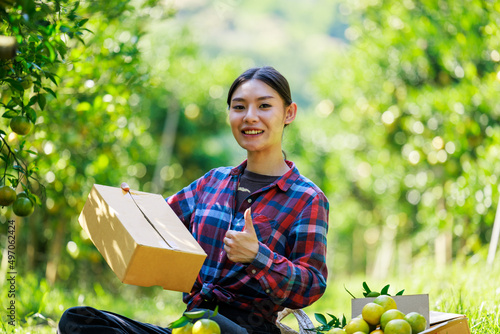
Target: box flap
[439,317]
[166,222]
[168,232]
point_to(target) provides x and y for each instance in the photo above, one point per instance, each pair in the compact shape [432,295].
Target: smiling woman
[262,224]
[260,107]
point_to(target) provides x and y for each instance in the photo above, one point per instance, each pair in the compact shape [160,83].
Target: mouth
[252,132]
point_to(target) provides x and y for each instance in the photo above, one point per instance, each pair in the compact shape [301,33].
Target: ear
[291,112]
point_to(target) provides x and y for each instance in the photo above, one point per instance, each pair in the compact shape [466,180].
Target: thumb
[248,221]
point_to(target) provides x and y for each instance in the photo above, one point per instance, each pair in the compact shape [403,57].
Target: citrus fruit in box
[387,302]
[397,326]
[377,331]
[337,331]
[7,195]
[186,329]
[372,312]
[205,326]
[390,315]
[357,325]
[416,321]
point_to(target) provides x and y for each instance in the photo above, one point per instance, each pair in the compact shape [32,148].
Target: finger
[125,187]
[248,221]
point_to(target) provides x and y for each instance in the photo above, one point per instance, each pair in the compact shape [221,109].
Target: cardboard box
[405,303]
[447,323]
[160,251]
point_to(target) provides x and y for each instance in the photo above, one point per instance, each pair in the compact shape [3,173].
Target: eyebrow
[240,99]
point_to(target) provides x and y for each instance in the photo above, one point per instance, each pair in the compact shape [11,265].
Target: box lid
[165,231]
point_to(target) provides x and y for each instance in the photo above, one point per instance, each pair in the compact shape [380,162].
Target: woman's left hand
[242,246]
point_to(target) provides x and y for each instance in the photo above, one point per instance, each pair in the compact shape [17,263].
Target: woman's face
[257,115]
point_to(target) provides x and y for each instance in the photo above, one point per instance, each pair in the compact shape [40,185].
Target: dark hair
[269,76]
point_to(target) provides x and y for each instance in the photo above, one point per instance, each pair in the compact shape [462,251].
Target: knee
[74,318]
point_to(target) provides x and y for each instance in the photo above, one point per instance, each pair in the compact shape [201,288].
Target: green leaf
[385,290]
[31,113]
[349,292]
[31,152]
[42,101]
[15,84]
[400,293]
[36,199]
[181,322]
[367,289]
[50,91]
[52,51]
[10,114]
[32,101]
[195,314]
[321,318]
[216,311]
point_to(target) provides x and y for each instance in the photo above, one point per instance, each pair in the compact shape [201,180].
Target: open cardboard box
[437,322]
[157,250]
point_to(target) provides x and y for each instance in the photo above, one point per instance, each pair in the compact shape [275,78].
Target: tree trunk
[166,147]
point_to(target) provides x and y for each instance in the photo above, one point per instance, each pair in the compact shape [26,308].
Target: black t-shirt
[251,182]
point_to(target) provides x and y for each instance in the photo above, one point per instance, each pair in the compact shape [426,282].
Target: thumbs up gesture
[242,246]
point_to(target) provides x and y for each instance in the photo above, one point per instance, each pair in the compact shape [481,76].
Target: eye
[238,107]
[265,106]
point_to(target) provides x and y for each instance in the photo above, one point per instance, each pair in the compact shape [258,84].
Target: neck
[273,165]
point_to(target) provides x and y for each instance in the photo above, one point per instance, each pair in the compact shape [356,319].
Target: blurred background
[398,123]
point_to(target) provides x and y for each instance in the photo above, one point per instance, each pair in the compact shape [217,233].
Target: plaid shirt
[291,221]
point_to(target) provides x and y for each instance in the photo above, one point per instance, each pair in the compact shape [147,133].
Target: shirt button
[267,290]
[249,200]
[254,271]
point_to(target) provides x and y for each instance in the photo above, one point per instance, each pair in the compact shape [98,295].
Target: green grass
[471,288]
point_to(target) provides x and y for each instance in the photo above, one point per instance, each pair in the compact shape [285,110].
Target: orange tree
[35,38]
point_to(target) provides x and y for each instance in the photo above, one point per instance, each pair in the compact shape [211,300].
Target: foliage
[408,140]
[372,293]
[43,31]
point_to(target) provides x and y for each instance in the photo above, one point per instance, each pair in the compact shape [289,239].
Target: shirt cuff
[262,262]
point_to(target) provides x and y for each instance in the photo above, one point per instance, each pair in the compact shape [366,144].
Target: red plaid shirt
[291,221]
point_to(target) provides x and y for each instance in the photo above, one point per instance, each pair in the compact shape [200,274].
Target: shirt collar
[284,182]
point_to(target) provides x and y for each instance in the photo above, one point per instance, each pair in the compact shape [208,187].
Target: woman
[262,224]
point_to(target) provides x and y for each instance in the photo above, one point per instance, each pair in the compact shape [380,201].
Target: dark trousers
[84,319]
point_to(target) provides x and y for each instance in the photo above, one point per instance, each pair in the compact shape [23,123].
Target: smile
[252,132]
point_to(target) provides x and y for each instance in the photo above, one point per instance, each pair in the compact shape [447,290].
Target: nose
[251,115]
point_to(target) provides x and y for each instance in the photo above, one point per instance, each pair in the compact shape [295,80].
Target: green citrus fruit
[372,313]
[23,206]
[206,326]
[397,326]
[7,195]
[27,82]
[377,331]
[21,125]
[186,329]
[338,331]
[416,321]
[390,315]
[357,325]
[387,302]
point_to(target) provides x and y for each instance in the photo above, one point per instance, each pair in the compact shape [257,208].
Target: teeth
[252,132]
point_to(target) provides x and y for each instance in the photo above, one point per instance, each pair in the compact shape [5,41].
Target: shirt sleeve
[298,280]
[183,203]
